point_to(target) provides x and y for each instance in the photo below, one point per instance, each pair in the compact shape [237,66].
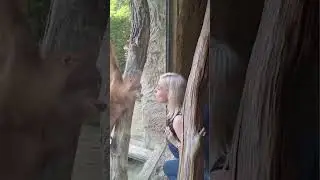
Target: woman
[170,90]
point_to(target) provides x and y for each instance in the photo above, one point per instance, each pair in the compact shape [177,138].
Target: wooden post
[188,16]
[277,101]
[191,165]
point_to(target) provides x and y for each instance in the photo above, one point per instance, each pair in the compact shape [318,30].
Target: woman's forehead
[161,84]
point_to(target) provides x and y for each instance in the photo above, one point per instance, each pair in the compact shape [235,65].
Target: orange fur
[122,91]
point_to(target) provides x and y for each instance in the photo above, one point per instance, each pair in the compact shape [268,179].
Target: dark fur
[39,99]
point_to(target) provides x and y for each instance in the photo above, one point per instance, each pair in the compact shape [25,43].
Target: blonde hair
[176,86]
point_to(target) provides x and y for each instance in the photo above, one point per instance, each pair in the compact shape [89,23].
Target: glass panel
[147,142]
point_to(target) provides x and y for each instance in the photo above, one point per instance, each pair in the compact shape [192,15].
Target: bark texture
[191,162]
[285,53]
[153,113]
[137,55]
[190,14]
[74,27]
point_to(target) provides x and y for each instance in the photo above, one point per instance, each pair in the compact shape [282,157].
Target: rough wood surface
[137,55]
[137,151]
[191,164]
[149,114]
[271,111]
[189,21]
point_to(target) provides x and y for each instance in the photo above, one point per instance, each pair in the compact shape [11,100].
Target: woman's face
[161,93]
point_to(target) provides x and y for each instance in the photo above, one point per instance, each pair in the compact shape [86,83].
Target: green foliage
[120,27]
[37,16]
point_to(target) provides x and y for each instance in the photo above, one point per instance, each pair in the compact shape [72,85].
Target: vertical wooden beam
[191,161]
[189,19]
[174,18]
[276,104]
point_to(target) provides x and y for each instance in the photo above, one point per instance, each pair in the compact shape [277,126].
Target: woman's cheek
[164,98]
[158,97]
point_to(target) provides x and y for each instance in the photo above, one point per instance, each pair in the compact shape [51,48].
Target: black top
[170,124]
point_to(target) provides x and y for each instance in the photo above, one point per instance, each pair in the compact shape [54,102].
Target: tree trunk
[153,114]
[191,162]
[74,27]
[137,55]
[188,27]
[273,106]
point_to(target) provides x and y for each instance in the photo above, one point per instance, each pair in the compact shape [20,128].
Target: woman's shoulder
[178,119]
[178,116]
